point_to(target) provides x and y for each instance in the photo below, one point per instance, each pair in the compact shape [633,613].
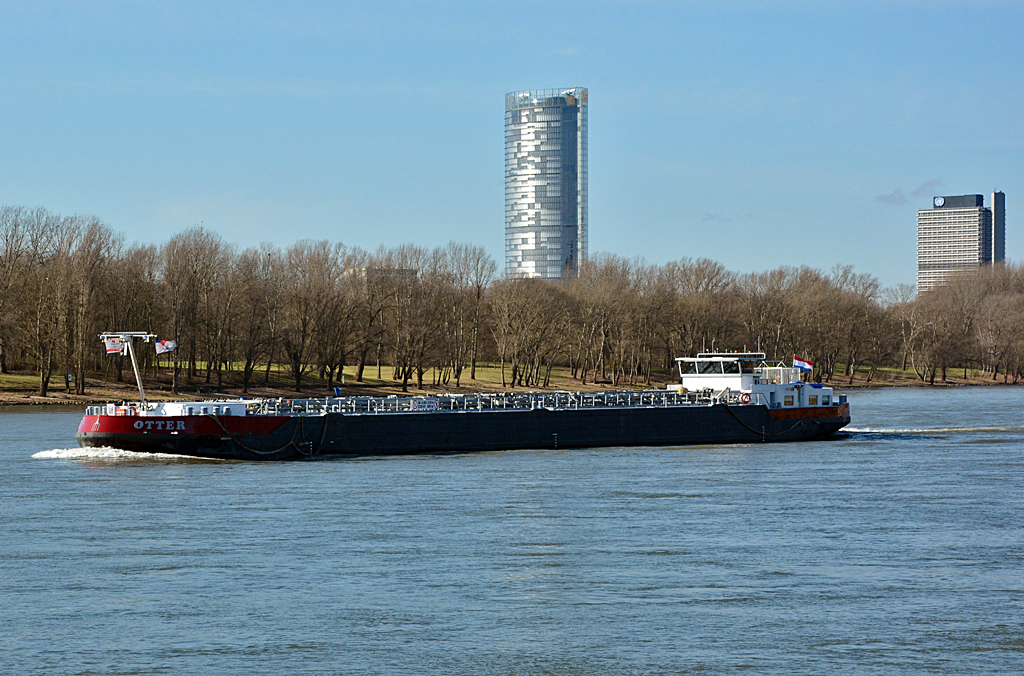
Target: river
[897,547]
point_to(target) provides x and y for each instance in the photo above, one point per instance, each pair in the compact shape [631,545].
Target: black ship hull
[420,432]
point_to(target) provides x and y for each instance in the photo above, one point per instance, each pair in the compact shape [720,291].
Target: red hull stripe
[193,424]
[810,412]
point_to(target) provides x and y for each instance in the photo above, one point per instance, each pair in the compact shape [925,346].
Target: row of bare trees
[409,312]
[974,322]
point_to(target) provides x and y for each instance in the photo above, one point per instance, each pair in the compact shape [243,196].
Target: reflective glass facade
[545,182]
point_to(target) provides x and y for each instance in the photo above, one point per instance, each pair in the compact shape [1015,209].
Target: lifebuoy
[745,398]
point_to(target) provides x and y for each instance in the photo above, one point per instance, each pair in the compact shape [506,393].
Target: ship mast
[126,337]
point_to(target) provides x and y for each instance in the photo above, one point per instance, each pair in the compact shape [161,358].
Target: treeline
[407,312]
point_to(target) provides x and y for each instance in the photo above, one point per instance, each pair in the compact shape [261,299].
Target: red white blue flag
[802,364]
[165,346]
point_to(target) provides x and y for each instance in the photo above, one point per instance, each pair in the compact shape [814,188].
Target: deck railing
[483,402]
[552,401]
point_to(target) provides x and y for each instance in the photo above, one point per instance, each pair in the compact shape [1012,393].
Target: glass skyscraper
[545,182]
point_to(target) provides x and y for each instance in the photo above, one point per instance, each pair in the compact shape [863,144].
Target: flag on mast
[115,344]
[165,346]
[802,364]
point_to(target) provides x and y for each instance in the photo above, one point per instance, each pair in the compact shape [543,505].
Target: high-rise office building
[545,182]
[958,233]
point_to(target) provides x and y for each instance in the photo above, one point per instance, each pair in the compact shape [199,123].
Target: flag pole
[126,339]
[135,366]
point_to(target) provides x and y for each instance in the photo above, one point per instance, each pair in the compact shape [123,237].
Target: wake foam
[108,454]
[934,430]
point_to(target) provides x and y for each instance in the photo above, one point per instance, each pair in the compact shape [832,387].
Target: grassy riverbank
[23,388]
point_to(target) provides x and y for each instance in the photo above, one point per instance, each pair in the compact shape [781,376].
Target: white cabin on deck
[175,408]
[186,408]
[746,377]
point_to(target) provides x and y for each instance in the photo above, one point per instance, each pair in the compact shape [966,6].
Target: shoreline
[102,393]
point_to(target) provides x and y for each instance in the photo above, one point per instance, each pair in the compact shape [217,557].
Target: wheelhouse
[741,371]
[748,377]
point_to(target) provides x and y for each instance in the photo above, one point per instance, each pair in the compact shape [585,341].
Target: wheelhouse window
[688,367]
[731,366]
[709,367]
[788,401]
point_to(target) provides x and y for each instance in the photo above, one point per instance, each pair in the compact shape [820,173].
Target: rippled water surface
[896,548]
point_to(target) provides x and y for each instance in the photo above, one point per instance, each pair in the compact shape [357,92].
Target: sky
[802,134]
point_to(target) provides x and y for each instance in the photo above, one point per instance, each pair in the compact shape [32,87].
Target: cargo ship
[721,398]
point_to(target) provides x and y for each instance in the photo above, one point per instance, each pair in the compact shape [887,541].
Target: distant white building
[958,233]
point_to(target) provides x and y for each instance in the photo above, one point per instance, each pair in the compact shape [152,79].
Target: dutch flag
[802,364]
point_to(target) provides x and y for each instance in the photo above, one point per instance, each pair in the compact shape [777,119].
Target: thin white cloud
[895,197]
[927,189]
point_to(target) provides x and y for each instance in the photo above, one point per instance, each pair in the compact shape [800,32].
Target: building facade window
[958,234]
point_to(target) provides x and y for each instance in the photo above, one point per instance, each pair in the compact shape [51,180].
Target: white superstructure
[749,376]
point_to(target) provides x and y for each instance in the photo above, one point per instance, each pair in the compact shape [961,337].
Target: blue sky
[797,135]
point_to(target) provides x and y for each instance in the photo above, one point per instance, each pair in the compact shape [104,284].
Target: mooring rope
[799,422]
[291,442]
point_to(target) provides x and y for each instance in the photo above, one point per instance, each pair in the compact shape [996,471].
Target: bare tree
[51,242]
[705,316]
[130,292]
[463,273]
[476,272]
[412,319]
[654,317]
[312,271]
[190,268]
[87,266]
[13,262]
[336,325]
[377,293]
[530,322]
[766,309]
[258,276]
